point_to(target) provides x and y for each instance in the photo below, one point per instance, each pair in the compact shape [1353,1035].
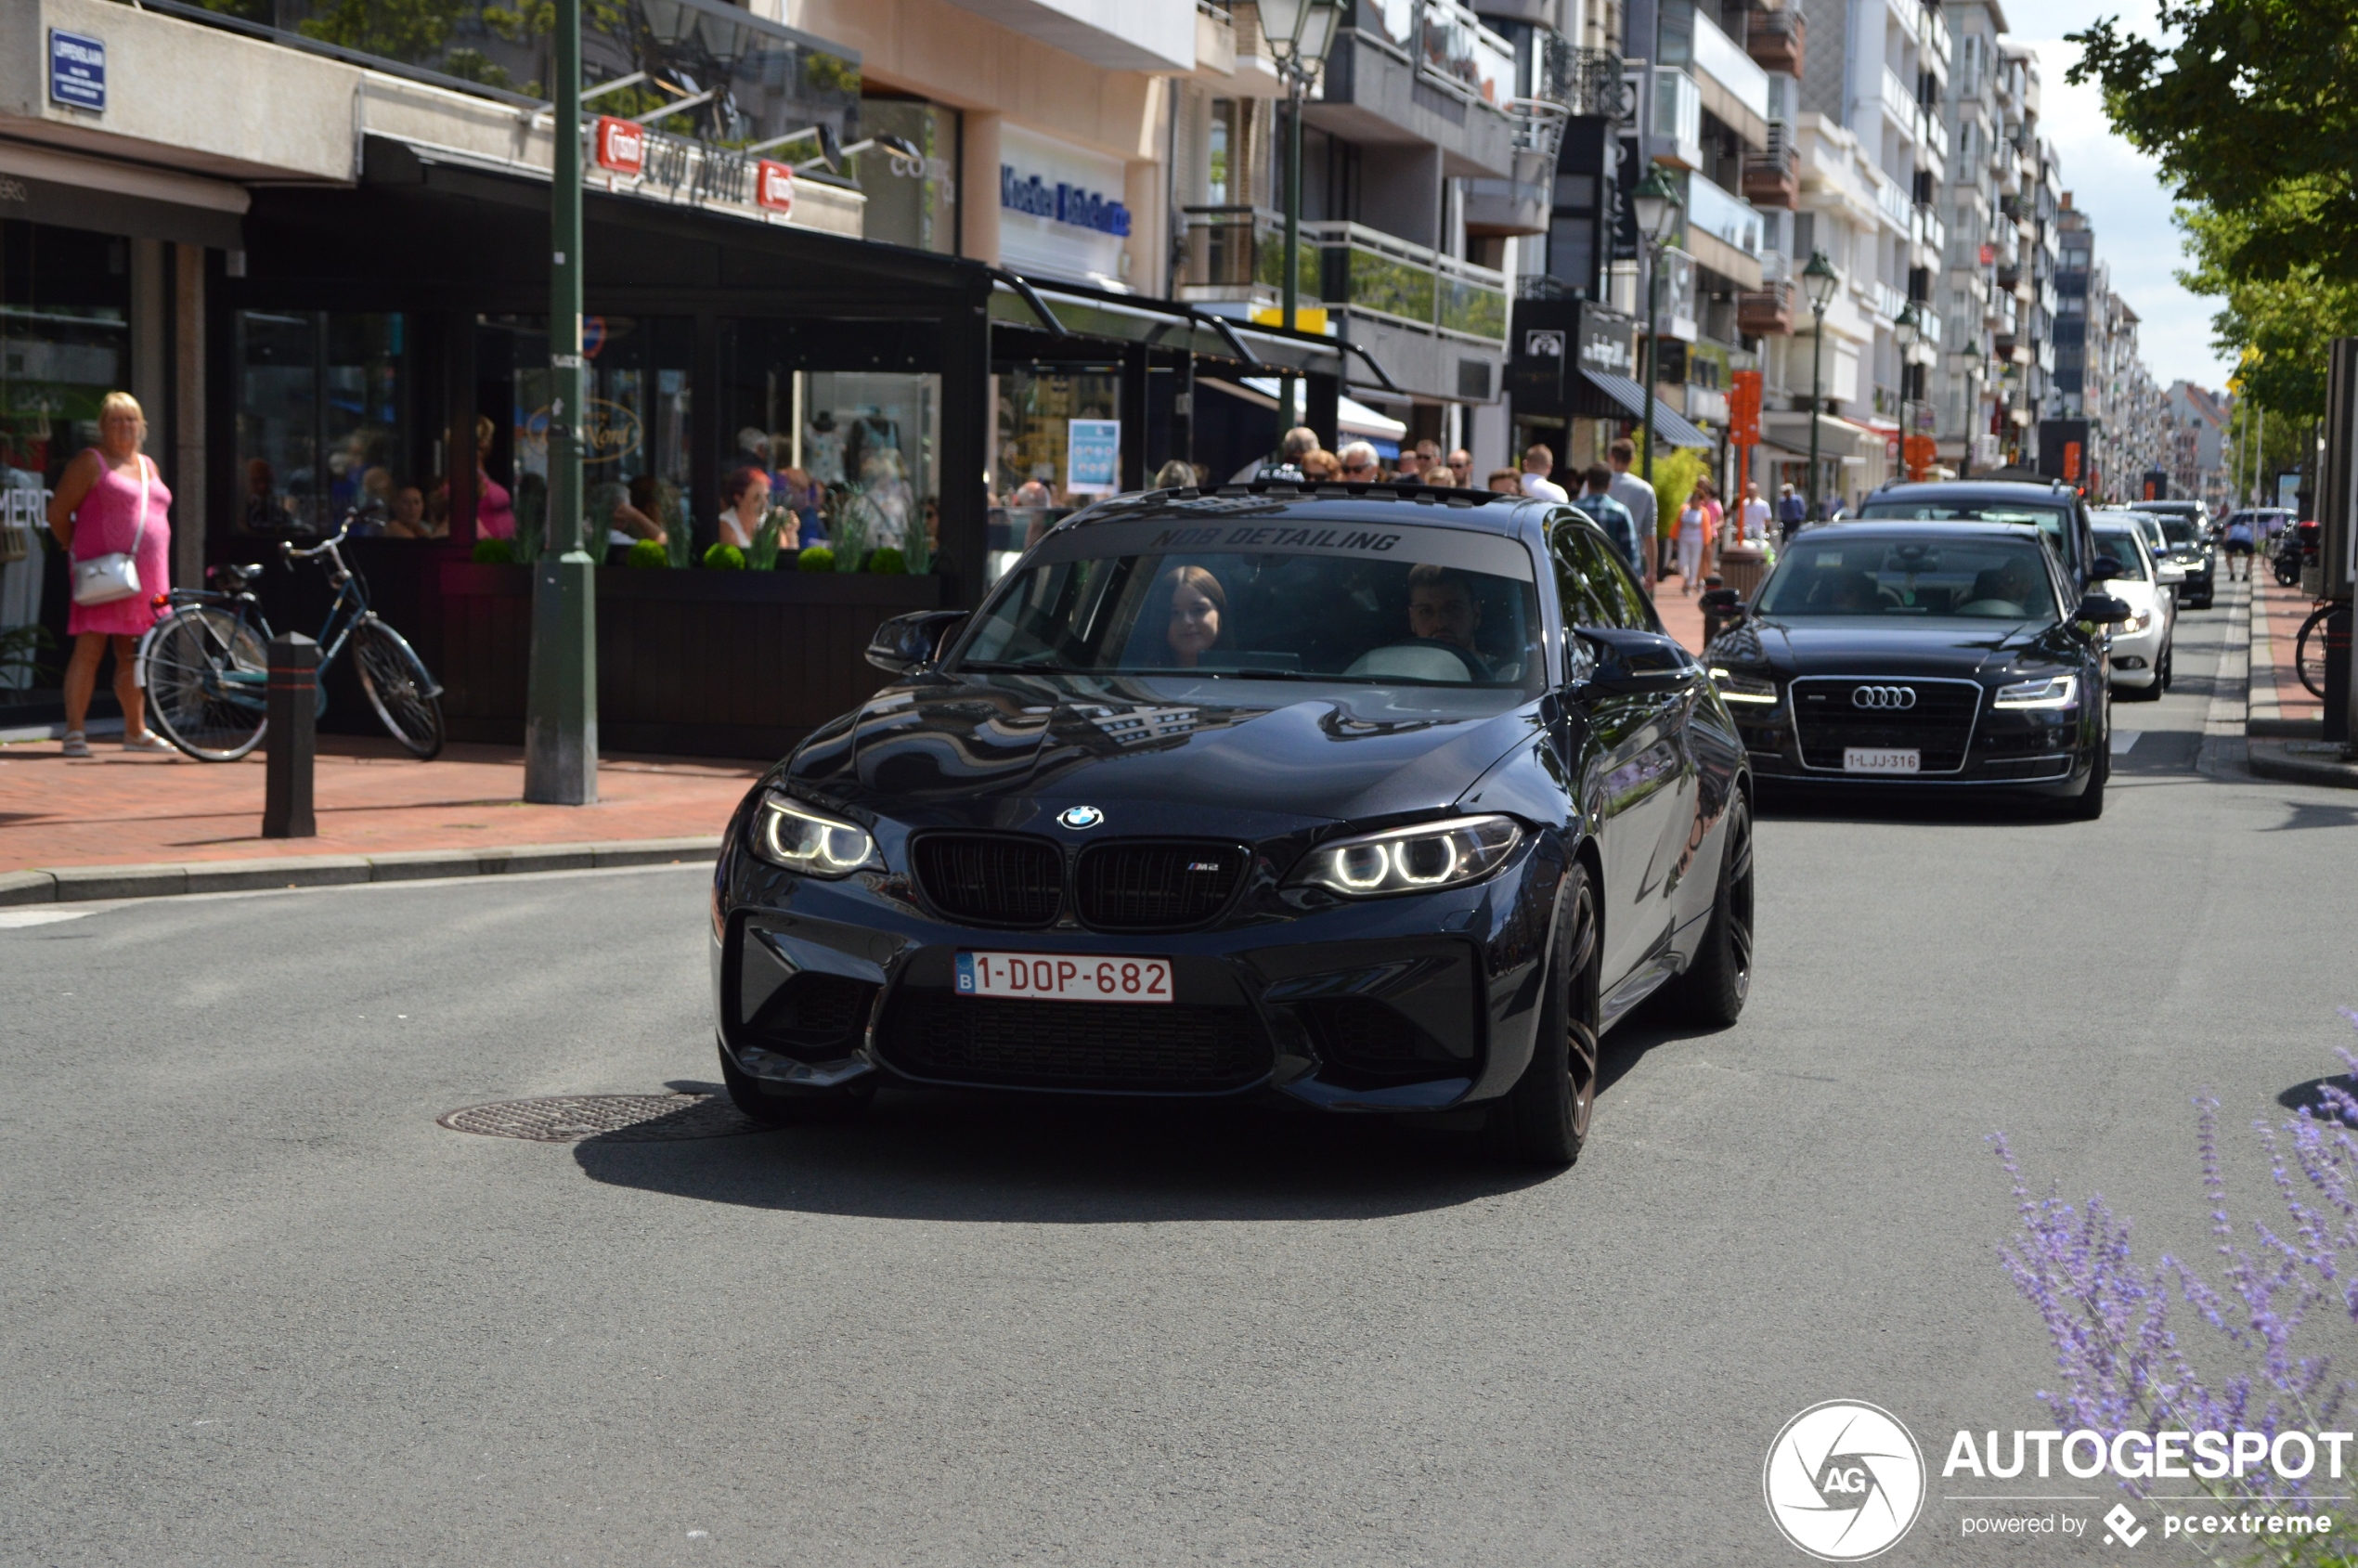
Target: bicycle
[2309,650]
[206,665]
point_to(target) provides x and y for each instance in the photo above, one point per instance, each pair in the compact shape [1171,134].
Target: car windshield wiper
[1256,673]
[1014,666]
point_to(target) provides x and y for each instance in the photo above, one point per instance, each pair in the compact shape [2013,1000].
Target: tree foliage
[2276,326]
[2251,107]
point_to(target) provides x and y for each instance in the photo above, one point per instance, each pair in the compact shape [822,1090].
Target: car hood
[1876,645]
[1010,751]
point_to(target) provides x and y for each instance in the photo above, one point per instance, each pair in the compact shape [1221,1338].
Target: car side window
[1626,603]
[1581,605]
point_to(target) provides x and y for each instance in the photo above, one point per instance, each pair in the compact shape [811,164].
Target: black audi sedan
[1387,799]
[1923,654]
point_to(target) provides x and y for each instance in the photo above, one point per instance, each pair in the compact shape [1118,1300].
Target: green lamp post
[1656,204]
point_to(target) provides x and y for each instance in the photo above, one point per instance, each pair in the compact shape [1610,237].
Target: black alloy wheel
[1544,1118]
[790,1109]
[399,687]
[1713,989]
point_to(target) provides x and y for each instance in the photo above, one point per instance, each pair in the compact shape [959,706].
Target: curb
[2308,762]
[82,883]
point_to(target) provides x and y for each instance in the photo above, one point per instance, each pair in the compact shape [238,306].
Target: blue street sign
[77,71]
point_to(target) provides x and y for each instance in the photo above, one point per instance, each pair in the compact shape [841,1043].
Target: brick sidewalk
[2285,609]
[369,797]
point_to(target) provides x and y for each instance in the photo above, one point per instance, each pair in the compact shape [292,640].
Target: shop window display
[1029,481]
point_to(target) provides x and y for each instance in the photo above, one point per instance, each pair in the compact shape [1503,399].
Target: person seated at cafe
[1442,608]
[1359,466]
[1441,473]
[408,518]
[1034,491]
[1176,474]
[609,509]
[745,502]
[1321,467]
[801,494]
[1505,481]
[1198,606]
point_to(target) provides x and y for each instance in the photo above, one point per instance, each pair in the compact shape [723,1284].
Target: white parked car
[2140,644]
[2167,571]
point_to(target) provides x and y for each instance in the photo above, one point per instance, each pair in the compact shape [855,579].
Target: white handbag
[102,579]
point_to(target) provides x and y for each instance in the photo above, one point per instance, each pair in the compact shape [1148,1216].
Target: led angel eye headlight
[798,838]
[2054,690]
[1424,858]
[1737,688]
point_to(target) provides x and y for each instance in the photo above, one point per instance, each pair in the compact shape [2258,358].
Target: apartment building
[1983,168]
[2194,422]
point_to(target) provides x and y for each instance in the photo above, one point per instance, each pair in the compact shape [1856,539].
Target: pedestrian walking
[110,513]
[2239,545]
[1695,525]
[1792,511]
[1597,500]
[1538,461]
[1638,496]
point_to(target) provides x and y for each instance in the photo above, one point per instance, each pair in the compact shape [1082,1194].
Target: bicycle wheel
[2308,651]
[205,673]
[399,687]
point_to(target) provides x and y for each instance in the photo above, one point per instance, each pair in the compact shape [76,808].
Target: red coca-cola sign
[619,145]
[774,185]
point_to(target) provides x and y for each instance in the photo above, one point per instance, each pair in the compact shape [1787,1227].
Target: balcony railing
[1772,177]
[1766,312]
[1899,98]
[1888,301]
[1678,121]
[1722,216]
[1929,230]
[1239,253]
[1894,202]
[1446,42]
[1775,35]
[1587,82]
[1725,61]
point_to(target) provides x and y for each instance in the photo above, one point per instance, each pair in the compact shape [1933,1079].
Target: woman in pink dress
[97,511]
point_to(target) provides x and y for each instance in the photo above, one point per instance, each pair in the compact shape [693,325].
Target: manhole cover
[564,1118]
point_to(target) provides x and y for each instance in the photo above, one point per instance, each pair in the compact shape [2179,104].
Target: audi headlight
[2051,691]
[1424,858]
[1743,688]
[789,833]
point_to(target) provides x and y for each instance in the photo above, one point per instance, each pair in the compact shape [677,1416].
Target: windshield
[1368,604]
[2054,522]
[2178,530]
[1997,579]
[2127,547]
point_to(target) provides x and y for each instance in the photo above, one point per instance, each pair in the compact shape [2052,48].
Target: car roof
[1903,527]
[1487,512]
[1974,489]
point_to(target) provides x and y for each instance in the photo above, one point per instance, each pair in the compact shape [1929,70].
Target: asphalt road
[257,1308]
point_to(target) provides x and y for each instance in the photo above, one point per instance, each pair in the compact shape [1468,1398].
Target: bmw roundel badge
[1079,817]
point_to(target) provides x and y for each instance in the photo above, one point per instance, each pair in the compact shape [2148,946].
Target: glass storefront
[65,343]
[854,454]
[325,429]
[636,438]
[1030,473]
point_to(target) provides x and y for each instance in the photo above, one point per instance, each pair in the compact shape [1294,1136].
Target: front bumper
[2035,751]
[2136,658]
[1420,1003]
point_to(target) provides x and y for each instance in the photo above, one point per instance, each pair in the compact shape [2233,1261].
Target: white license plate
[1877,759]
[1064,977]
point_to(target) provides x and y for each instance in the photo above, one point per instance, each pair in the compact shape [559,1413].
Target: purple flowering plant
[2159,1347]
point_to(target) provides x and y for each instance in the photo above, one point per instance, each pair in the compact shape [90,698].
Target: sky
[2116,187]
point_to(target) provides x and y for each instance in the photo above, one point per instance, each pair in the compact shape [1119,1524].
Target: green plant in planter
[917,549]
[762,555]
[849,521]
[887,563]
[818,558]
[724,558]
[647,554]
[495,552]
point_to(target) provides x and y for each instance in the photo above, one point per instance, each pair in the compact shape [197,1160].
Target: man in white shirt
[1756,517]
[1538,463]
[1638,496]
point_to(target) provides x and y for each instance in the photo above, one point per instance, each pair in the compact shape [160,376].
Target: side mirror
[903,642]
[2105,566]
[1721,601]
[2103,609]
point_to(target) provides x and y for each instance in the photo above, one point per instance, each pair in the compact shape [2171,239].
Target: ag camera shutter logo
[1844,1481]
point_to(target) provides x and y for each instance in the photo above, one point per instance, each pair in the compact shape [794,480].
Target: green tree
[2251,107]
[2275,327]
[413,31]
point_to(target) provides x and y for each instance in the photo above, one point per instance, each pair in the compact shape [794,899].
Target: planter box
[690,663]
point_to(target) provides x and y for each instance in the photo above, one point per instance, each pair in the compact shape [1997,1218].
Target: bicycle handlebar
[325,546]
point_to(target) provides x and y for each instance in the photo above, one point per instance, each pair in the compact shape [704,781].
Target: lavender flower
[2116,1324]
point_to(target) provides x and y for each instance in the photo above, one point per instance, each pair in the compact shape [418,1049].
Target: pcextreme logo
[1844,1481]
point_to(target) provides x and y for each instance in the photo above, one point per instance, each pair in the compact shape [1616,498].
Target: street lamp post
[1656,204]
[1907,329]
[1299,32]
[561,706]
[1821,279]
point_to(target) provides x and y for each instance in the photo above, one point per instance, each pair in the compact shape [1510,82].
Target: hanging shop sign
[611,433]
[1092,457]
[774,187]
[620,146]
[77,71]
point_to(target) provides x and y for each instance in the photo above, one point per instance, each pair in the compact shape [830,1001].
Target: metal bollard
[294,707]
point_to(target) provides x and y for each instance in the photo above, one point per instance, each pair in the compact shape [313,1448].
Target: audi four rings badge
[1882,696]
[1080,817]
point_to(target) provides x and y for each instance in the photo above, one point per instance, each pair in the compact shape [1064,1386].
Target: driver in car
[1441,608]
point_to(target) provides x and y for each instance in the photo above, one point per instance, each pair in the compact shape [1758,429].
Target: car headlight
[2051,691]
[788,834]
[1743,688]
[2134,623]
[1424,858]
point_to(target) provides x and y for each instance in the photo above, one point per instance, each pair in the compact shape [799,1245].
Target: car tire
[1713,989]
[2090,803]
[2168,670]
[1544,1118]
[786,1110]
[2150,692]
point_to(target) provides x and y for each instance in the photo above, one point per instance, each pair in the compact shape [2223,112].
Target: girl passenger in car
[1197,606]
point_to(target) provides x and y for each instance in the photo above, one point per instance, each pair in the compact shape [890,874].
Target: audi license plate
[1070,978]
[1881,759]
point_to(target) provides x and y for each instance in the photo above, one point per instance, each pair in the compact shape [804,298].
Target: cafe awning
[1673,428]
